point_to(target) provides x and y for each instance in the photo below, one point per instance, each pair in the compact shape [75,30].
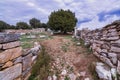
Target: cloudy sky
[90,13]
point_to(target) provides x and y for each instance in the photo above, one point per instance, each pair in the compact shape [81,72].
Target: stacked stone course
[14,65]
[105,43]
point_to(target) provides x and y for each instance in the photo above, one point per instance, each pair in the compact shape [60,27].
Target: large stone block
[103,72]
[8,64]
[118,67]
[113,57]
[11,73]
[27,61]
[115,49]
[0,46]
[112,38]
[11,45]
[10,54]
[4,38]
[107,61]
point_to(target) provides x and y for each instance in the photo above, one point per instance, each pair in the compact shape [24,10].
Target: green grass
[29,42]
[41,69]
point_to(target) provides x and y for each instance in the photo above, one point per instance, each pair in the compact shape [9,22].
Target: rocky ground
[70,60]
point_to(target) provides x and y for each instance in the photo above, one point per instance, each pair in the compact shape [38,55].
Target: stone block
[118,67]
[112,38]
[10,54]
[4,38]
[107,61]
[112,30]
[11,73]
[17,60]
[11,45]
[27,61]
[0,46]
[113,57]
[115,49]
[8,64]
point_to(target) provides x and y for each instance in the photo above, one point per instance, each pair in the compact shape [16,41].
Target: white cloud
[84,9]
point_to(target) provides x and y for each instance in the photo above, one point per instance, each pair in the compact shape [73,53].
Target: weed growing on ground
[41,69]
[91,69]
[67,78]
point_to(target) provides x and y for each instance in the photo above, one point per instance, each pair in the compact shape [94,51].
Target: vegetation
[62,20]
[91,69]
[41,69]
[3,25]
[35,23]
[22,25]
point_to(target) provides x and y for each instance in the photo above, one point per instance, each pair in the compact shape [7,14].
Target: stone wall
[14,63]
[105,43]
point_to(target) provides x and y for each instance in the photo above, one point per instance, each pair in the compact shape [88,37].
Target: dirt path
[68,59]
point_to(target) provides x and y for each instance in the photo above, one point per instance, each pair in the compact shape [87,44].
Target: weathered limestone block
[103,71]
[112,34]
[105,46]
[96,54]
[11,73]
[104,50]
[0,46]
[18,78]
[103,54]
[8,64]
[8,37]
[107,61]
[98,49]
[27,61]
[116,43]
[112,38]
[115,49]
[118,67]
[27,71]
[10,54]
[17,60]
[112,30]
[11,45]
[113,57]
[99,42]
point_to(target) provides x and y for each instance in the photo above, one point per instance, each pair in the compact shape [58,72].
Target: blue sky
[90,13]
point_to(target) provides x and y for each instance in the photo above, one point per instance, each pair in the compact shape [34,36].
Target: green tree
[63,20]
[3,25]
[22,25]
[35,23]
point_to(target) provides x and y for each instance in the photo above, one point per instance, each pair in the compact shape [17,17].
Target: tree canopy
[22,25]
[3,25]
[35,23]
[63,20]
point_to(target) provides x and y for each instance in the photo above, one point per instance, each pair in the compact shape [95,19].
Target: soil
[65,53]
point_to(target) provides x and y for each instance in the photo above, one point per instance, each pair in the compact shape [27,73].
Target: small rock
[82,73]
[54,77]
[72,76]
[87,79]
[78,44]
[43,36]
[64,72]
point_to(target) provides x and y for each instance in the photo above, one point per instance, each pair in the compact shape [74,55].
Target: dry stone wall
[14,63]
[105,43]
